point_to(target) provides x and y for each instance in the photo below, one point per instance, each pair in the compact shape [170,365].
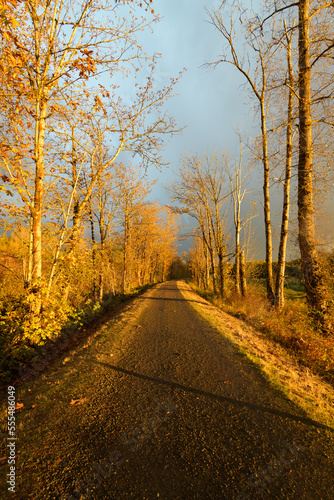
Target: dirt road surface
[161,405]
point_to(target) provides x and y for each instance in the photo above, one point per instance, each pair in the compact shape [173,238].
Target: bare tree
[201,193]
[279,289]
[256,77]
[316,290]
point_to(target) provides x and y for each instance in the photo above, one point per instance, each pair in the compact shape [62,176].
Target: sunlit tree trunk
[221,274]
[254,40]
[314,280]
[212,259]
[266,204]
[237,197]
[102,263]
[207,268]
[126,252]
[237,261]
[36,226]
[92,232]
[279,291]
[243,282]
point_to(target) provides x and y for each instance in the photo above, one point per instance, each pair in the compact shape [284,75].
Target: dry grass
[293,356]
[292,328]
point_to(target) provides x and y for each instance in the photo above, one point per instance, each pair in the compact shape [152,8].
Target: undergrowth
[22,343]
[293,328]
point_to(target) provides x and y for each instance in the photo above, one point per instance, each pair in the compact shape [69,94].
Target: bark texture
[314,280]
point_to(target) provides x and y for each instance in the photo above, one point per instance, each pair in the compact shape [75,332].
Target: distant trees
[132,193]
[238,192]
[126,242]
[200,192]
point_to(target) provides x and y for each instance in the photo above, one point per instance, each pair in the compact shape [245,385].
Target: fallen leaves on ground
[77,401]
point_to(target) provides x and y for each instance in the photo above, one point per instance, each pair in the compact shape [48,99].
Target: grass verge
[280,365]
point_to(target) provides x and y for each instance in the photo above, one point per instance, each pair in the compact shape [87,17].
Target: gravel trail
[166,407]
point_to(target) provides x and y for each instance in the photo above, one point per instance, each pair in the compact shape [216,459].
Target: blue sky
[210,103]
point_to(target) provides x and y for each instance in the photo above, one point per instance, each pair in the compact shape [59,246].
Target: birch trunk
[266,206]
[92,232]
[279,291]
[243,283]
[36,216]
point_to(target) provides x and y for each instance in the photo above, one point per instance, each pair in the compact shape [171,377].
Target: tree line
[284,51]
[75,218]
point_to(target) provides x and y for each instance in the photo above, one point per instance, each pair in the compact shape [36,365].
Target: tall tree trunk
[103,236]
[237,197]
[279,292]
[237,258]
[207,268]
[112,273]
[102,266]
[243,283]
[212,261]
[125,255]
[92,232]
[221,274]
[266,206]
[314,280]
[36,216]
[209,245]
[28,276]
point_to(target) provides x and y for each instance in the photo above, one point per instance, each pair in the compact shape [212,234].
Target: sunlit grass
[288,349]
[292,328]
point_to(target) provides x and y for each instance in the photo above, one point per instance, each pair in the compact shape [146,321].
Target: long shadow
[165,298]
[217,397]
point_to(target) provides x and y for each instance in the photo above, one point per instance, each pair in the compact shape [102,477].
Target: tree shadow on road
[167,298]
[217,397]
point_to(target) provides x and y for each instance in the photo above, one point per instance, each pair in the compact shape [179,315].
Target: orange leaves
[7,19]
[104,91]
[85,65]
[77,401]
[87,52]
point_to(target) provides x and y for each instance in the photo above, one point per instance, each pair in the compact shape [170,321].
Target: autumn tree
[58,50]
[131,194]
[290,117]
[198,262]
[105,204]
[238,191]
[314,279]
[168,236]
